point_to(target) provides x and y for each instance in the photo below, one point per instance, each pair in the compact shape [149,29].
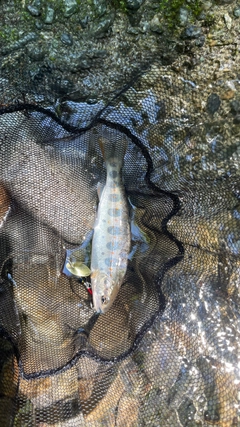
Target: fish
[111,235]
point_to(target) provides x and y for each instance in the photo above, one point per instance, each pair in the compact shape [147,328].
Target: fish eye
[104,300]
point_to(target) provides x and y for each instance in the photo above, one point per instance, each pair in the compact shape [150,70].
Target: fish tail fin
[113,146]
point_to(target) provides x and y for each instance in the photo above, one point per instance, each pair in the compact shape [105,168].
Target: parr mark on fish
[114,197]
[115,231]
[114,212]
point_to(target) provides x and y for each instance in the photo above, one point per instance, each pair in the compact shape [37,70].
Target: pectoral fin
[100,188]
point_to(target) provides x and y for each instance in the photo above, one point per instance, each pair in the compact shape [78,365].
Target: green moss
[139,359]
[52,58]
[209,19]
[120,5]
[170,10]
[25,15]
[9,35]
[24,415]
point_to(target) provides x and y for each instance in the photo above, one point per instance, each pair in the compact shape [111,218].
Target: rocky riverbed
[167,354]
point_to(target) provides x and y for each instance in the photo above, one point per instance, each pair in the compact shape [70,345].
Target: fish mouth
[102,292]
[97,304]
[100,310]
[100,306]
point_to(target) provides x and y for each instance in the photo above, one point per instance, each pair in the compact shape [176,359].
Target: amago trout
[112,238]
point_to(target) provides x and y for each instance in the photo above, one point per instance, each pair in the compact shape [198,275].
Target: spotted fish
[111,237]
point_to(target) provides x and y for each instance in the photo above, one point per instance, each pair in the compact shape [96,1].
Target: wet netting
[166,352]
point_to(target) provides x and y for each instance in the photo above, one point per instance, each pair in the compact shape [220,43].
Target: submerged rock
[49,16]
[33,10]
[67,39]
[70,7]
[134,4]
[213,103]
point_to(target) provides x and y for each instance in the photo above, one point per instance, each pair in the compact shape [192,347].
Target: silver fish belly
[111,240]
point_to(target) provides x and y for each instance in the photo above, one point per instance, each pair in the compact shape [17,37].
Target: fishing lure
[77,268]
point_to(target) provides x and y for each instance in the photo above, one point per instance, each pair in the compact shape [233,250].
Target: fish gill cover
[167,351]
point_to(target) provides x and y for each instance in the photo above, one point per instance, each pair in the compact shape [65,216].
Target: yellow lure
[77,268]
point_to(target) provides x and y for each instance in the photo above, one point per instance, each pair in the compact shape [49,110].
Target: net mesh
[166,353]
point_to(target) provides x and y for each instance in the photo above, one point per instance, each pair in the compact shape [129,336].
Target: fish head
[104,291]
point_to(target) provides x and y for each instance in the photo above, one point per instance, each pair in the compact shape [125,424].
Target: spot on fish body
[113,185]
[111,262]
[113,174]
[114,231]
[113,164]
[113,245]
[114,212]
[114,197]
